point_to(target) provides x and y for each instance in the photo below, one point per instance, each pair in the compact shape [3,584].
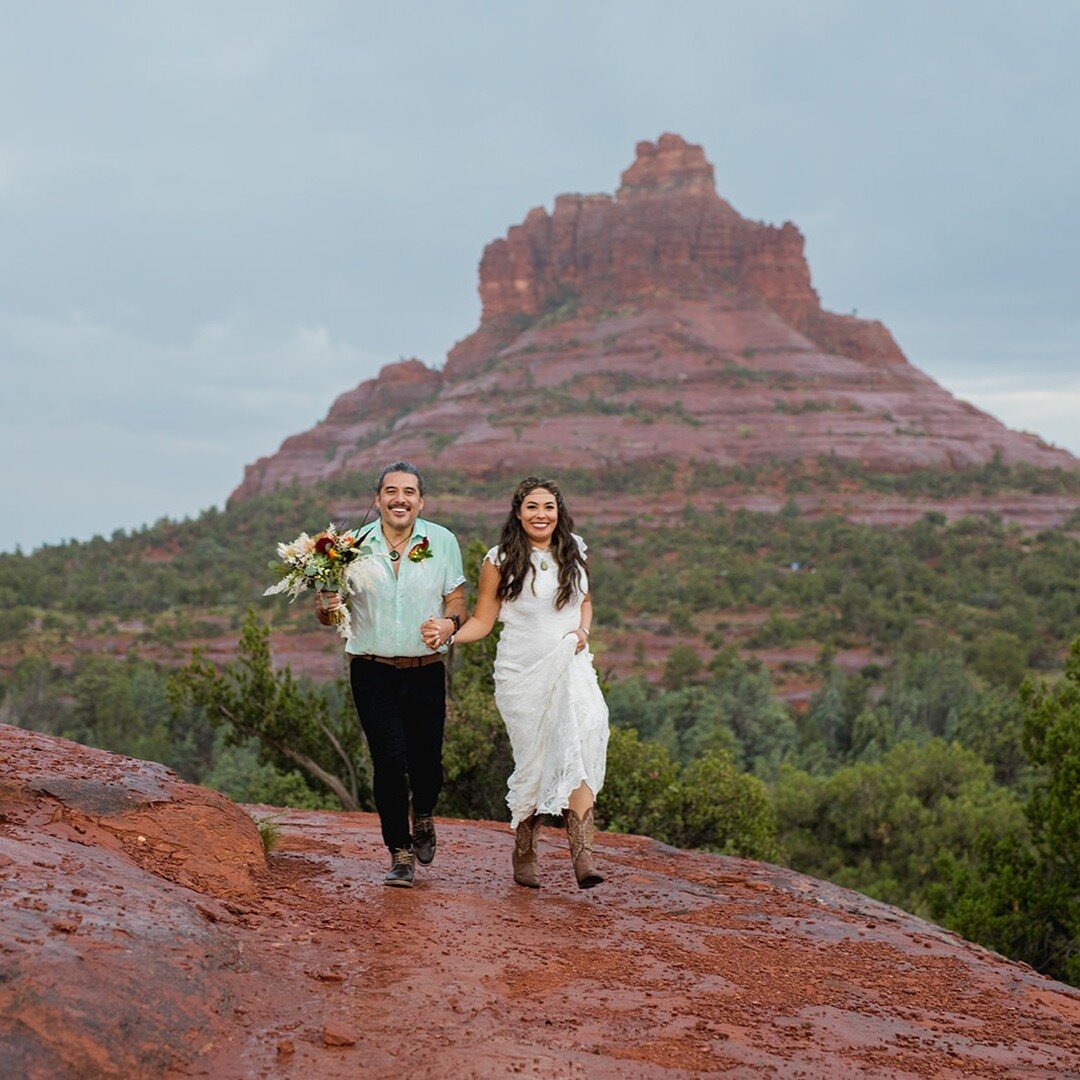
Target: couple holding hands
[535,582]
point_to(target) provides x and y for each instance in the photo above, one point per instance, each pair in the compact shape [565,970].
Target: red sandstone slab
[682,963]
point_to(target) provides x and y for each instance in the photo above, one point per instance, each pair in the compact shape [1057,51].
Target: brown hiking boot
[423,838]
[401,869]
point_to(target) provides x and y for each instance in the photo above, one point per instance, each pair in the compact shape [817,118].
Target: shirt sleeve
[455,574]
[582,546]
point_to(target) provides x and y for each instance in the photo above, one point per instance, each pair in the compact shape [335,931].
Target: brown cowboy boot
[580,832]
[524,854]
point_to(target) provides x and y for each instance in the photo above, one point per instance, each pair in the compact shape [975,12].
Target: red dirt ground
[142,937]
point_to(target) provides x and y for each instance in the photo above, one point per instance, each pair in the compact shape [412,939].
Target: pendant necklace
[543,560]
[394,554]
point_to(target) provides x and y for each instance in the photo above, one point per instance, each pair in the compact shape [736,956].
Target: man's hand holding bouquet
[328,562]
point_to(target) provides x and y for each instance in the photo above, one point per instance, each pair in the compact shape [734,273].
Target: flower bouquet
[322,562]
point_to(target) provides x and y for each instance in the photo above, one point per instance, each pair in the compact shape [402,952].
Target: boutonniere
[421,551]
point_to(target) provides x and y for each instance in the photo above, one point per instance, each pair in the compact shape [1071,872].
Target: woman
[534,581]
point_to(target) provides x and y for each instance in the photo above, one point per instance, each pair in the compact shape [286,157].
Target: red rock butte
[655,323]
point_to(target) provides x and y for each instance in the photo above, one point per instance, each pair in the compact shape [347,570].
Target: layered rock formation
[116,963]
[653,324]
[665,233]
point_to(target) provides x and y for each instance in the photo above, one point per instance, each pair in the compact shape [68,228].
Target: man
[398,683]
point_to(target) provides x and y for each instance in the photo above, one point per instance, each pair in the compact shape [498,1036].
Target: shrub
[709,804]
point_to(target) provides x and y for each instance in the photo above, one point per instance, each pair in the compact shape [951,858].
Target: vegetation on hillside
[938,772]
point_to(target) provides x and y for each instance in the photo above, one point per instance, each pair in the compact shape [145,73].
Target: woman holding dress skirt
[536,583]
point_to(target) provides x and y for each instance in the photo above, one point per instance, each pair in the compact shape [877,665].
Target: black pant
[402,712]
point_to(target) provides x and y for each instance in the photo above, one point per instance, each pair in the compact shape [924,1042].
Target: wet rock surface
[116,880]
[682,963]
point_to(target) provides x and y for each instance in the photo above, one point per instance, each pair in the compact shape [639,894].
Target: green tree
[683,665]
[476,754]
[718,808]
[1021,895]
[690,721]
[122,707]
[628,704]
[238,771]
[639,776]
[882,827]
[292,721]
[36,697]
[709,804]
[763,726]
[1052,742]
[1000,658]
[992,725]
[830,715]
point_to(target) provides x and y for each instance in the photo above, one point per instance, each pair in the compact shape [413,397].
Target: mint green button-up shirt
[387,609]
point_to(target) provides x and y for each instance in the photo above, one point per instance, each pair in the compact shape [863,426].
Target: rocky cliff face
[144,934]
[655,323]
[665,233]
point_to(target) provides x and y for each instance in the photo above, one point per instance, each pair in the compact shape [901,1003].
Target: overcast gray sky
[216,217]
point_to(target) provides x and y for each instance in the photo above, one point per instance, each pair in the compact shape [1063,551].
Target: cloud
[107,429]
[1049,411]
[12,167]
[327,173]
[220,43]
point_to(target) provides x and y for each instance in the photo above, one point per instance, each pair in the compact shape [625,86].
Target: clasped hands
[437,631]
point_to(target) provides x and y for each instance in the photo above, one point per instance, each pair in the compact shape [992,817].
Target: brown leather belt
[403,661]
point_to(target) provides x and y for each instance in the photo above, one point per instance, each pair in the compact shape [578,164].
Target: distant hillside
[157,590]
[654,331]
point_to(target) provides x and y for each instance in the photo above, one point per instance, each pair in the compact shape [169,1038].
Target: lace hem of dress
[555,804]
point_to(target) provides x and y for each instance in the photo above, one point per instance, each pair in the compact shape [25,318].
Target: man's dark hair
[401,466]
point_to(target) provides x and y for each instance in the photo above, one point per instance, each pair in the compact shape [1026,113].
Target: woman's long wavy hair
[515,548]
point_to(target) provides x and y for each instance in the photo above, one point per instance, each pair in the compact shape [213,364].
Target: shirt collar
[375,534]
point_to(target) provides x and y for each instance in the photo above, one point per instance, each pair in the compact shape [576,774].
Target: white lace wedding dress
[548,696]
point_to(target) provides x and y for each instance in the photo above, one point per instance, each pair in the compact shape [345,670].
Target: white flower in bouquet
[331,560]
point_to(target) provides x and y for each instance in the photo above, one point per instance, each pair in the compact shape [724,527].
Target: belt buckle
[404,661]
